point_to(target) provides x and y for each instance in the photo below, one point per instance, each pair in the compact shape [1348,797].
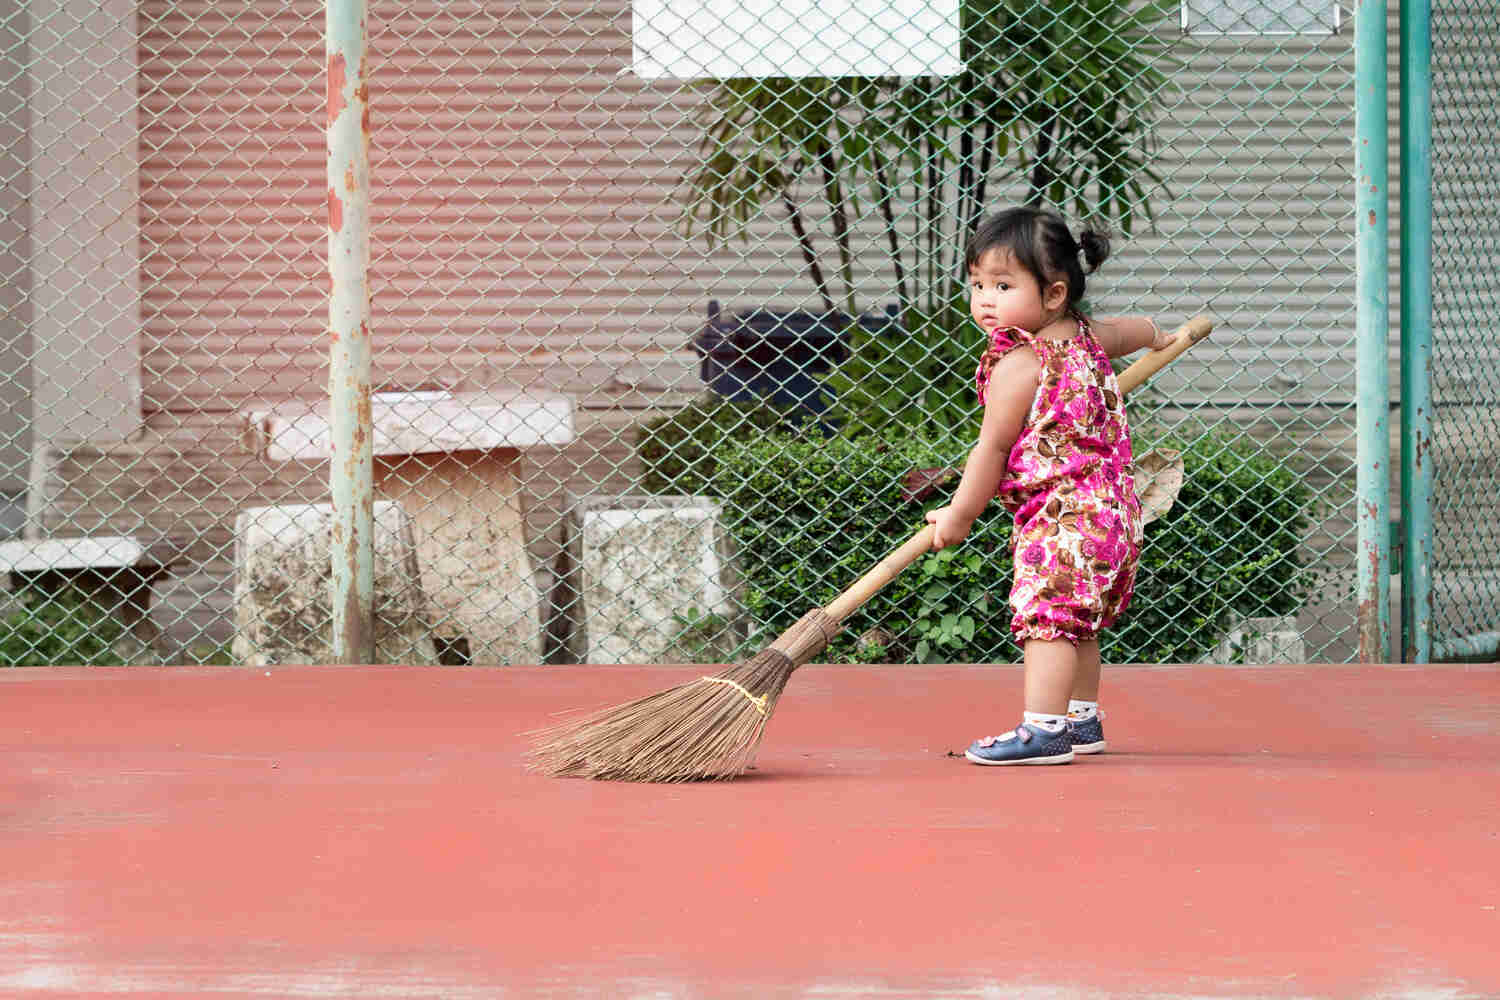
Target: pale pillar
[82,180]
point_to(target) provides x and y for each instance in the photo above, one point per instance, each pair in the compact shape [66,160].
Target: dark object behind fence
[775,354]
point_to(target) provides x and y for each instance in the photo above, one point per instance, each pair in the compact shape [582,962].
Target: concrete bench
[116,571]
[450,458]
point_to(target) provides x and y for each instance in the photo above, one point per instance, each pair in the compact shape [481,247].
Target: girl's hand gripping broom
[709,728]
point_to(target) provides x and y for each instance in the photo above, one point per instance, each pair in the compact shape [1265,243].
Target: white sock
[1082,711]
[1051,723]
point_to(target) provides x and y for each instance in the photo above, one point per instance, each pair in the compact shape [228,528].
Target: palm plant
[1060,98]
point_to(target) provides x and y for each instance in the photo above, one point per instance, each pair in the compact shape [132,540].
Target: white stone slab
[96,552]
[417,423]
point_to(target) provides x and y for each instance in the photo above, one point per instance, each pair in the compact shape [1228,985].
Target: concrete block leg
[652,579]
[282,571]
[1262,640]
[480,584]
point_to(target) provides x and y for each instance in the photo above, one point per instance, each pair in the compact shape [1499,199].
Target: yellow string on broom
[759,701]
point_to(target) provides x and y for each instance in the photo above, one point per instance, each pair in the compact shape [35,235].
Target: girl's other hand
[951,527]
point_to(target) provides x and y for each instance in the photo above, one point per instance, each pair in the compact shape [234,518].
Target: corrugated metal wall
[527,193]
[522,206]
[1258,156]
[233,211]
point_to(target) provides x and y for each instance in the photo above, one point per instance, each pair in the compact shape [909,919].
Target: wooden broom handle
[886,570]
[1186,336]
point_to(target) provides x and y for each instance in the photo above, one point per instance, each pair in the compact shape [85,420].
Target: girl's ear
[1055,295]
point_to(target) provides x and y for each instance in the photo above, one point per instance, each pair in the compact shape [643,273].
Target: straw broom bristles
[706,729]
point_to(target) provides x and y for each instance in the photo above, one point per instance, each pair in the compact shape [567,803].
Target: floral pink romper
[1077,536]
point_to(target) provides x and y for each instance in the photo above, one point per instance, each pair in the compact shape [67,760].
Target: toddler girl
[1055,448]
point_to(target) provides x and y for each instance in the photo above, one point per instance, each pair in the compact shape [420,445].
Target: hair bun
[1095,247]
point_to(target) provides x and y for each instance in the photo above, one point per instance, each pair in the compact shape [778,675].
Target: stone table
[450,459]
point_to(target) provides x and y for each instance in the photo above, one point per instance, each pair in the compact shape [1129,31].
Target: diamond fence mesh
[1465,447]
[669,336]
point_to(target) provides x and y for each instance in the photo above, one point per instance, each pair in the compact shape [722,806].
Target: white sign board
[1260,17]
[733,38]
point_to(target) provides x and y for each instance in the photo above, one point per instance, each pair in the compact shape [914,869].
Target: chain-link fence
[1464,454]
[668,336]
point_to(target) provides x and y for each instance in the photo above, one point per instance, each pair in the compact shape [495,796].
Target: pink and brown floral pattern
[1078,532]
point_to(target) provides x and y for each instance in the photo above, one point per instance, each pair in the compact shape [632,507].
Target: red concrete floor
[352,832]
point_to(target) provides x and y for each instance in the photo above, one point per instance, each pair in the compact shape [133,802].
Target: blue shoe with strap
[1087,734]
[1026,744]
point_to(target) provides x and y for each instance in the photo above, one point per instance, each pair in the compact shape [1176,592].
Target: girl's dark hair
[1042,245]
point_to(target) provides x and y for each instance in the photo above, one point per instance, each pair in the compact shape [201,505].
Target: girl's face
[1003,293]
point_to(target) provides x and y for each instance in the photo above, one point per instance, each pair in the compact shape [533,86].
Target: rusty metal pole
[1372,329]
[352,472]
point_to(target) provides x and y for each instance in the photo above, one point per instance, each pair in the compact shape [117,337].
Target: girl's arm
[1008,397]
[1122,335]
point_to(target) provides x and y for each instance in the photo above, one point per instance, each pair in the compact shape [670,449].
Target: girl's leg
[1086,682]
[1052,670]
[1086,730]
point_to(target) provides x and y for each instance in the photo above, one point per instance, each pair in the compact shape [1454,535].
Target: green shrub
[919,382]
[809,516]
[1228,548]
[679,452]
[63,628]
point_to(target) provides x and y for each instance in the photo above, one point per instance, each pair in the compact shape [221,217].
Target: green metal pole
[351,473]
[1372,329]
[1416,330]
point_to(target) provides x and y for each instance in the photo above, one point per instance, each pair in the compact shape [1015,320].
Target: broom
[709,728]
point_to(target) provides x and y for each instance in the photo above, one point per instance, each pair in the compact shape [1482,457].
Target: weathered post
[1372,328]
[351,472]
